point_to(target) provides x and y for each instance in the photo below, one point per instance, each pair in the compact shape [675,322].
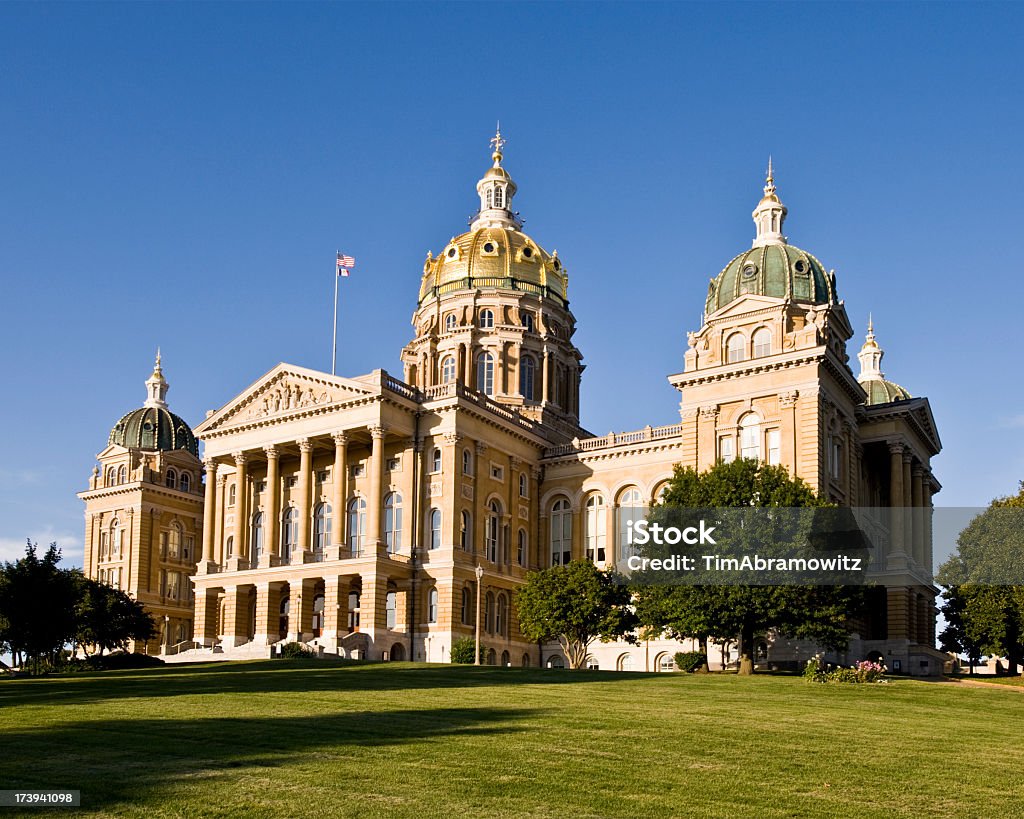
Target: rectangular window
[261,486]
[292,482]
[164,536]
[836,458]
[357,470]
[323,475]
[774,447]
[497,472]
[189,543]
[394,464]
[726,449]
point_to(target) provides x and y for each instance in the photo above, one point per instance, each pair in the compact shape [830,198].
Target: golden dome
[494,257]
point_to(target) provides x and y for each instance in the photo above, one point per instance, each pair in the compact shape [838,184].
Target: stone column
[546,376]
[339,495]
[926,500]
[613,551]
[218,537]
[206,617]
[241,511]
[305,489]
[707,437]
[272,515]
[896,559]
[908,512]
[375,502]
[467,362]
[373,617]
[300,615]
[268,613]
[917,499]
[209,516]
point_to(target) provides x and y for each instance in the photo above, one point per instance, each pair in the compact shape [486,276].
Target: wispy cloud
[13,548]
[1013,422]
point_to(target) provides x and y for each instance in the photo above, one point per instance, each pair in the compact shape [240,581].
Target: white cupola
[496,190]
[769,214]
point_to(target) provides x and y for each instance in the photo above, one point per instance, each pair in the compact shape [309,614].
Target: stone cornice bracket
[240,458]
[481,447]
[895,446]
[305,445]
[378,431]
[535,472]
[452,438]
[709,412]
[514,462]
[340,438]
[788,399]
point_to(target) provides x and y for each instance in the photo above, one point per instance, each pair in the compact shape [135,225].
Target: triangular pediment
[748,303]
[284,391]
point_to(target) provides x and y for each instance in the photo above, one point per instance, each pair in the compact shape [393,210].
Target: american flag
[344,264]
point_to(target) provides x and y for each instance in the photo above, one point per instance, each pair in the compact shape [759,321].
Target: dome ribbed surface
[778,270]
[153,428]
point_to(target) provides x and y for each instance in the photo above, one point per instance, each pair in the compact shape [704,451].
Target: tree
[724,612]
[462,651]
[575,604]
[107,618]
[37,606]
[983,593]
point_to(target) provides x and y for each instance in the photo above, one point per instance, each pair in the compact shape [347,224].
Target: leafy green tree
[818,613]
[107,618]
[575,604]
[37,606]
[981,593]
[462,651]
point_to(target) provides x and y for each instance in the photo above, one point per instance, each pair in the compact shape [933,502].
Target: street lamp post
[476,647]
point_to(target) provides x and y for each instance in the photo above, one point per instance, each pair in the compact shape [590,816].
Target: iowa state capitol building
[352,513]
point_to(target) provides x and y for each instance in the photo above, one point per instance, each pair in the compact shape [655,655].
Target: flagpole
[334,345]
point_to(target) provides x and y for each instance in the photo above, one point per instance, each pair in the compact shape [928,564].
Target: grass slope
[301,738]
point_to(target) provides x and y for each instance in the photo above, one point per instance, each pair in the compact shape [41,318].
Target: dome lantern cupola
[871,378]
[156,386]
[769,214]
[496,190]
[153,427]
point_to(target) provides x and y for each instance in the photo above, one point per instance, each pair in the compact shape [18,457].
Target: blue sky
[181,175]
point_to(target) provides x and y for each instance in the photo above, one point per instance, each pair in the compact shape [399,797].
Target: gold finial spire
[156,367]
[769,182]
[871,324]
[498,142]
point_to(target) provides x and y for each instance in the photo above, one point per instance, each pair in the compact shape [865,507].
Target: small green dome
[779,270]
[154,428]
[881,391]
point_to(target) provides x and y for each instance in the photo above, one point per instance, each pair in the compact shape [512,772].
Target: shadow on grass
[275,676]
[130,761]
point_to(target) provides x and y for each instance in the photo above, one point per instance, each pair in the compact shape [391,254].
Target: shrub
[864,672]
[294,651]
[690,661]
[462,651]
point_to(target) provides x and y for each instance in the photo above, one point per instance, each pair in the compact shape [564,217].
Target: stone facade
[352,513]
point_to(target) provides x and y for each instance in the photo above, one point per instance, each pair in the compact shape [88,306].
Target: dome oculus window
[452,253]
[749,270]
[527,252]
[489,248]
[801,267]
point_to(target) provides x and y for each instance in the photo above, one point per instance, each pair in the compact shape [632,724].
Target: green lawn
[301,738]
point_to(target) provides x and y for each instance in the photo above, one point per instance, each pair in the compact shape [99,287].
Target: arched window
[185,482]
[524,485]
[318,615]
[750,436]
[506,659]
[111,476]
[450,323]
[485,373]
[231,495]
[356,525]
[391,609]
[257,535]
[625,662]
[354,599]
[171,479]
[393,522]
[173,542]
[501,618]
[526,319]
[432,606]
[499,196]
[229,546]
[435,529]
[435,460]
[466,531]
[117,538]
[489,612]
[561,532]
[630,510]
[527,370]
[467,462]
[322,528]
[734,348]
[595,529]
[490,198]
[122,474]
[762,342]
[447,369]
[493,531]
[466,610]
[289,531]
[486,319]
[522,548]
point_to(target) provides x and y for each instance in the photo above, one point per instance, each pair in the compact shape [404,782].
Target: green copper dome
[777,269]
[154,428]
[881,391]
